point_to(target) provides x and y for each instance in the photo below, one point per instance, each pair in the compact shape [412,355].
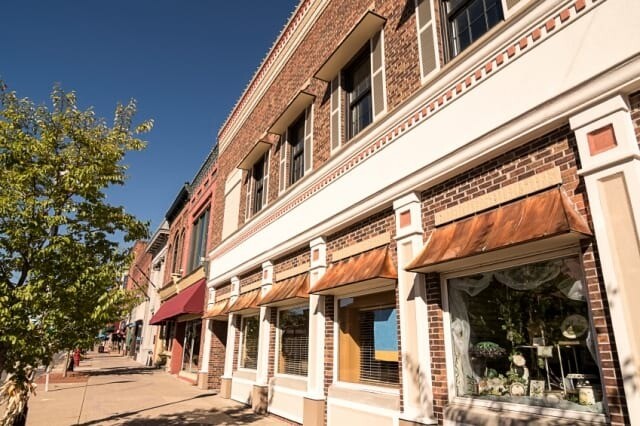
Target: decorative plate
[574,326]
[517,389]
[519,360]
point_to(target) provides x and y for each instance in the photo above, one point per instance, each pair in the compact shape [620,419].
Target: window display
[523,335]
[368,339]
[250,333]
[293,350]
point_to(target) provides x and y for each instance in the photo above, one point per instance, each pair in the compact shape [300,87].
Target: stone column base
[225,388]
[313,412]
[203,380]
[260,399]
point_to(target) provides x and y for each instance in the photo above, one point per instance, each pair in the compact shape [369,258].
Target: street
[120,391]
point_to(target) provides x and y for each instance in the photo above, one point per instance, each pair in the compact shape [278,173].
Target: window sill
[468,405]
[367,395]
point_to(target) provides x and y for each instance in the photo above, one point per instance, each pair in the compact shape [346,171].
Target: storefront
[518,327]
[180,318]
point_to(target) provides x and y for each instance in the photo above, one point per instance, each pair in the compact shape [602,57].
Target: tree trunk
[66,365]
[21,419]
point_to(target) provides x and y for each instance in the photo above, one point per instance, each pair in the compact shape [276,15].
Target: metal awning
[371,269]
[188,301]
[248,300]
[544,215]
[288,290]
[217,310]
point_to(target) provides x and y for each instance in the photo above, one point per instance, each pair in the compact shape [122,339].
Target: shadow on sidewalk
[142,410]
[236,416]
[88,386]
[121,371]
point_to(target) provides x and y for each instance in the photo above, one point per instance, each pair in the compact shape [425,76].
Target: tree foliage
[59,255]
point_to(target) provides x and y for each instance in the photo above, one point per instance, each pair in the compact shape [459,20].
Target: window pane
[368,339]
[469,20]
[358,89]
[294,341]
[296,140]
[250,332]
[258,184]
[523,335]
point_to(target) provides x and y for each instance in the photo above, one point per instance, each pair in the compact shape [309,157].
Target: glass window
[368,339]
[357,84]
[249,351]
[167,334]
[293,325]
[258,185]
[523,335]
[295,136]
[199,240]
[469,20]
[191,346]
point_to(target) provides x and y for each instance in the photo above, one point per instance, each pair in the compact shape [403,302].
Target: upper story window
[199,240]
[468,20]
[357,85]
[258,185]
[295,138]
[176,266]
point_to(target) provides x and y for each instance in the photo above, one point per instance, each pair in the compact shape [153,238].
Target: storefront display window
[368,339]
[293,354]
[523,335]
[191,346]
[250,332]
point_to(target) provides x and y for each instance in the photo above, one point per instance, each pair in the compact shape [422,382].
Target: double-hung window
[468,20]
[357,86]
[199,240]
[258,190]
[295,136]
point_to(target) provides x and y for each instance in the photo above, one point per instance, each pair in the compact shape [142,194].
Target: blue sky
[185,62]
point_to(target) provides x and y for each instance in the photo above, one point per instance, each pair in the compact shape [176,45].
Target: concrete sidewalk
[120,391]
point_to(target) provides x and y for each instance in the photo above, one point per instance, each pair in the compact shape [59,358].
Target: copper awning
[288,290]
[372,268]
[248,300]
[545,215]
[218,309]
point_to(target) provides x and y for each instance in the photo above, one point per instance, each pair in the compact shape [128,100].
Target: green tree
[59,256]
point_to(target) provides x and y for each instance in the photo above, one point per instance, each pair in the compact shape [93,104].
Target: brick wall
[555,149]
[217,354]
[436,346]
[372,226]
[299,257]
[236,343]
[329,315]
[251,277]
[402,80]
[272,315]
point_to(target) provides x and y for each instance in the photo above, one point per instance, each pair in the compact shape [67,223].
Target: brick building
[183,290]
[428,213]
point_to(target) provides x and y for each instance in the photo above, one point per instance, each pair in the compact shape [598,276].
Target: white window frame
[241,345]
[387,390]
[469,401]
[278,343]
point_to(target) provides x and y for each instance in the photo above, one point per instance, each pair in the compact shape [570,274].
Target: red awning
[188,301]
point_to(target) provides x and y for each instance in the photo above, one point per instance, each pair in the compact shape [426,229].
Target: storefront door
[191,346]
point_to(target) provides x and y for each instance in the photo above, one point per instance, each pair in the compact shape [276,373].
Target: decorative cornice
[510,52]
[274,53]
